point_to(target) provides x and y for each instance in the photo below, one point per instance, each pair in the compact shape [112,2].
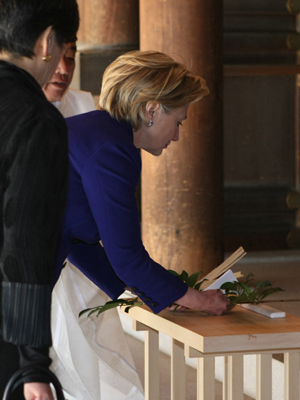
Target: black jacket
[33,190]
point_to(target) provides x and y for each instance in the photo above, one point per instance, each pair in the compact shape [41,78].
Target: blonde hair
[137,77]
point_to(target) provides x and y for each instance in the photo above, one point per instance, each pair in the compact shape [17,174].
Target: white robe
[90,355]
[75,102]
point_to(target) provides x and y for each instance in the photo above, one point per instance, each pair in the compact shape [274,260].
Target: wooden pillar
[108,28]
[108,22]
[182,190]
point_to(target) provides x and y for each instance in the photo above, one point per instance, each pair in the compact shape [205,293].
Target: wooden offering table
[233,335]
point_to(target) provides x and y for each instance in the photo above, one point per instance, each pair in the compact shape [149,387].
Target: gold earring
[47,58]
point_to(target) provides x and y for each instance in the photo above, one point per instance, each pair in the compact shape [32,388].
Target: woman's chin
[156,152]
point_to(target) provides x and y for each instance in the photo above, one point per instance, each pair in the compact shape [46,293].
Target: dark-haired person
[144,99]
[67,100]
[33,179]
[103,367]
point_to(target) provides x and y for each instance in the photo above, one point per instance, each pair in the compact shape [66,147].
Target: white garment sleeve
[76,102]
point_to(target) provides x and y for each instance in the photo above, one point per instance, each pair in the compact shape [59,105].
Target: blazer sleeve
[110,178]
[34,200]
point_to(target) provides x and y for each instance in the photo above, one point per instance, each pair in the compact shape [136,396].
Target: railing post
[151,360]
[234,386]
[264,377]
[177,371]
[291,376]
[225,378]
[206,378]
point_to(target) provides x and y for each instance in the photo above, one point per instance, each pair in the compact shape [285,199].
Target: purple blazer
[105,168]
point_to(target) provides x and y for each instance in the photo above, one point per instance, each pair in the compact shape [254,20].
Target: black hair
[23,21]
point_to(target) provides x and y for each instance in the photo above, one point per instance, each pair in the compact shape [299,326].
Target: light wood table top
[239,330]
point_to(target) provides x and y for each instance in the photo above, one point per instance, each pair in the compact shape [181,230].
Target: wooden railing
[240,332]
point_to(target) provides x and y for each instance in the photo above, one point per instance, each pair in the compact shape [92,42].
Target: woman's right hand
[212,302]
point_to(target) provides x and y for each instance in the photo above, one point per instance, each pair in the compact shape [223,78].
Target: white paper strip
[264,310]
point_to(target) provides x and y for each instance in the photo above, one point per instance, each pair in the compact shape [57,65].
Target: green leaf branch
[112,304]
[248,291]
[237,292]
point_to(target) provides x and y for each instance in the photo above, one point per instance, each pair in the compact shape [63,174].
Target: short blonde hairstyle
[137,77]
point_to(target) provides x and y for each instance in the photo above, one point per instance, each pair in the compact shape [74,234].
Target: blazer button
[140,294]
[153,304]
[135,289]
[147,299]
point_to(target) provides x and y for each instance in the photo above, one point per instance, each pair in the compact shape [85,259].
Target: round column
[182,190]
[109,22]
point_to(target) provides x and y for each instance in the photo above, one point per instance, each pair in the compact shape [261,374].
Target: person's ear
[151,109]
[43,44]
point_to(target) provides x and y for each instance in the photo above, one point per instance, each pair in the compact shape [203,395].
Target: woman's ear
[151,108]
[47,39]
[44,42]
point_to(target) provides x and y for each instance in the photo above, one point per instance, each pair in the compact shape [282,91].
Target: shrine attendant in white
[90,355]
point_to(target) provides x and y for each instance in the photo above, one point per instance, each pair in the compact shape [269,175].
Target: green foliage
[247,292]
[112,304]
[237,293]
[190,280]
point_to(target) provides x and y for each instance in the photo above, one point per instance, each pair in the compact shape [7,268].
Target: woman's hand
[212,302]
[37,391]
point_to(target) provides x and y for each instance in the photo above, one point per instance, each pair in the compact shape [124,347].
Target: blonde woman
[144,99]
